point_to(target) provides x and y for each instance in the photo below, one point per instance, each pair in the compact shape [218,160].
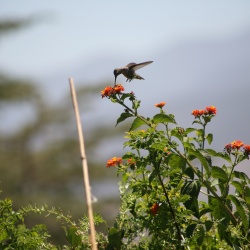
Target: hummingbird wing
[136,66]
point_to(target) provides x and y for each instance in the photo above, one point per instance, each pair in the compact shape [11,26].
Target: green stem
[180,236]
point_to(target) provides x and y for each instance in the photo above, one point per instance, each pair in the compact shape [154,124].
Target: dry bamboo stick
[84,166]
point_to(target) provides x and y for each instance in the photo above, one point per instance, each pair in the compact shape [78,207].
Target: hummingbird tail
[138,77]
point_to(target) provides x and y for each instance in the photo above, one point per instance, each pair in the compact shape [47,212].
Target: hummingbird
[129,71]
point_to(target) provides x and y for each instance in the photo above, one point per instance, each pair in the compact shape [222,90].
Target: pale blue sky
[82,30]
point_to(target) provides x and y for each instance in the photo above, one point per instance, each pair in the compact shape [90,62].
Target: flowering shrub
[172,194]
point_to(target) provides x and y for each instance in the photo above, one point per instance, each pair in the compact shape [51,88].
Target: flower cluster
[154,209]
[115,161]
[131,162]
[108,91]
[160,105]
[211,110]
[236,145]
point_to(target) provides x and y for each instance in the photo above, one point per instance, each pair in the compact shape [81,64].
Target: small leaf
[136,124]
[123,117]
[219,173]
[161,118]
[209,138]
[190,130]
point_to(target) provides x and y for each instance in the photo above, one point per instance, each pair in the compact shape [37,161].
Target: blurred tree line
[39,158]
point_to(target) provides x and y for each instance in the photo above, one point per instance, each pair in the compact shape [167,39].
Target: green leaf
[241,209]
[175,161]
[241,175]
[190,130]
[163,118]
[201,235]
[114,237]
[238,186]
[222,155]
[189,172]
[190,229]
[219,173]
[138,122]
[123,117]
[126,95]
[209,138]
[247,195]
[208,225]
[72,237]
[192,188]
[200,157]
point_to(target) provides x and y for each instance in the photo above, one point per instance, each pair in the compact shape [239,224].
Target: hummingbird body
[129,71]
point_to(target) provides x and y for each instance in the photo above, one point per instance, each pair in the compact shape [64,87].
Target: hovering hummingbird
[129,71]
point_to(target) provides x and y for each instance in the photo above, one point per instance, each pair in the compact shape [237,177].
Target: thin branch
[84,166]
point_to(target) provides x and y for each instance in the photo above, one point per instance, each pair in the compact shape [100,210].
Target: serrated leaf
[247,195]
[136,124]
[163,118]
[123,117]
[242,210]
[238,186]
[219,173]
[222,155]
[209,138]
[241,175]
[175,161]
[200,157]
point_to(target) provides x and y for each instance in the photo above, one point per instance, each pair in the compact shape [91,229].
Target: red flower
[198,113]
[160,105]
[107,91]
[154,209]
[131,162]
[118,88]
[246,150]
[211,110]
[234,145]
[115,161]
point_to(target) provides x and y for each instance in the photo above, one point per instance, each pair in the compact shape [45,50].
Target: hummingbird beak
[115,79]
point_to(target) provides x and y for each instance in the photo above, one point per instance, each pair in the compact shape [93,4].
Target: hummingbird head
[116,73]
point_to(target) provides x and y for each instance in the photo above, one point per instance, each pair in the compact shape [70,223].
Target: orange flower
[234,145]
[160,105]
[247,148]
[237,144]
[118,88]
[198,113]
[211,110]
[131,162]
[154,209]
[115,161]
[107,91]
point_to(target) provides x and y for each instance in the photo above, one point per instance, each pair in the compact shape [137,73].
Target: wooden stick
[84,166]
